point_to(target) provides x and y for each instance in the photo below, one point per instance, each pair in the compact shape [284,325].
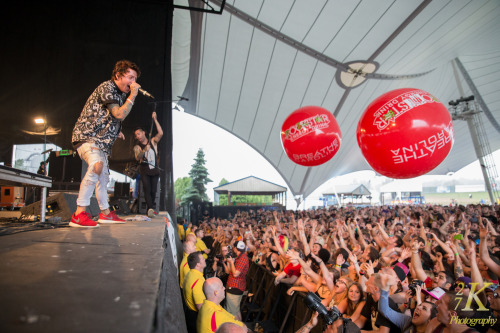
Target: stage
[107,279]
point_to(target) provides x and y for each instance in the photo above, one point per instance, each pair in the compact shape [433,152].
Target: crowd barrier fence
[270,307]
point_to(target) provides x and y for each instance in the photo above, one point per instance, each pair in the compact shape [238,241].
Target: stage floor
[67,279]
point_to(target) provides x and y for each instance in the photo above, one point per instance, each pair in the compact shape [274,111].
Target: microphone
[145,93]
[181,98]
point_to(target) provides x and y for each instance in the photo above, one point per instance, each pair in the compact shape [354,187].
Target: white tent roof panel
[261,60]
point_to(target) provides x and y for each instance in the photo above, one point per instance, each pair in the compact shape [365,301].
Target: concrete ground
[67,279]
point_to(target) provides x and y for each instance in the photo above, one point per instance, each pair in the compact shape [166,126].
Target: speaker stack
[62,205]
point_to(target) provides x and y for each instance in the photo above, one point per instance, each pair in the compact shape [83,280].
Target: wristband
[456,254]
[128,99]
[338,265]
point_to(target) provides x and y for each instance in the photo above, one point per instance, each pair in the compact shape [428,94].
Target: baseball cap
[435,293]
[465,280]
[401,271]
[240,245]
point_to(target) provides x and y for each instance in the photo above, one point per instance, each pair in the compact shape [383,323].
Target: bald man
[231,328]
[211,314]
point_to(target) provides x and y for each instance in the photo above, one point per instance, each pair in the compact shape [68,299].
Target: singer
[95,132]
[145,153]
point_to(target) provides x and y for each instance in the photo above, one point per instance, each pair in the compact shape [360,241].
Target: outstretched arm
[159,130]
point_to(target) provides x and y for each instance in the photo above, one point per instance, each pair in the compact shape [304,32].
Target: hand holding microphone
[134,89]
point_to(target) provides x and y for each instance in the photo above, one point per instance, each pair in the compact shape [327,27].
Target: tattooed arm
[310,325]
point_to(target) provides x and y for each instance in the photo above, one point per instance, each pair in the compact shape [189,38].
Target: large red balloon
[405,133]
[310,136]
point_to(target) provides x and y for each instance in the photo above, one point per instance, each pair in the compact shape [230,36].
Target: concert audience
[387,268]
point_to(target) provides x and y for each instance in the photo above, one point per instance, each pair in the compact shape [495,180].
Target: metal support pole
[44,189]
[480,157]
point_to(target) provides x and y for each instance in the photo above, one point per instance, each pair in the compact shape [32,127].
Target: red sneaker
[110,218]
[83,220]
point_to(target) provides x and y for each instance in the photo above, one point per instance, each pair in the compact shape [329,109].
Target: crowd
[418,268]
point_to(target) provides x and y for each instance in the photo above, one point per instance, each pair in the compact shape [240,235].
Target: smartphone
[459,237]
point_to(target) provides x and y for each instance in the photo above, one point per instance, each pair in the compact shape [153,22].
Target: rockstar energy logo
[306,126]
[399,105]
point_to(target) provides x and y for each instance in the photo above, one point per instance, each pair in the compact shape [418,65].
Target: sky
[230,158]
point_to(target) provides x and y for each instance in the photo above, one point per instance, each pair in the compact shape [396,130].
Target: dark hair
[324,255]
[193,259]
[450,278]
[139,128]
[341,251]
[351,307]
[427,263]
[399,241]
[434,310]
[373,254]
[209,241]
[122,66]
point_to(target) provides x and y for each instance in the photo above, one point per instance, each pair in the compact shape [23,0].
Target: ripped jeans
[91,154]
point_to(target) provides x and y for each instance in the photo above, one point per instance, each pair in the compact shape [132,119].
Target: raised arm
[483,249]
[475,273]
[159,131]
[417,262]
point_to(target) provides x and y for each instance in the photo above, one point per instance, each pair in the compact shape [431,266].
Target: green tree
[181,186]
[223,197]
[199,178]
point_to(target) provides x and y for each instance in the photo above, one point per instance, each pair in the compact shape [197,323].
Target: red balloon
[405,133]
[310,136]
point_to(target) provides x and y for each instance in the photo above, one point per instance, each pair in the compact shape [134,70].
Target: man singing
[95,131]
[146,154]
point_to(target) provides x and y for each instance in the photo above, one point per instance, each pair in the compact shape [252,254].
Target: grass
[461,198]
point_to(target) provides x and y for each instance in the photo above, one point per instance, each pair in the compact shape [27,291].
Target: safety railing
[268,308]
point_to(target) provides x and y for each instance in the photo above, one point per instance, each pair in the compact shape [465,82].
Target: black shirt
[371,309]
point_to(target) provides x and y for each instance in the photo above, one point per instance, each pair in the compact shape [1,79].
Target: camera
[313,302]
[413,286]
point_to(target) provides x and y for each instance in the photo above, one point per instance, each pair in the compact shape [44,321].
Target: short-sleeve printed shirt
[96,124]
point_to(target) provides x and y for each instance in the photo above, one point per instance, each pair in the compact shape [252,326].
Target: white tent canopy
[258,61]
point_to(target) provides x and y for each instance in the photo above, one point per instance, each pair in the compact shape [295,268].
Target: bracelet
[416,252]
[338,265]
[128,99]
[456,254]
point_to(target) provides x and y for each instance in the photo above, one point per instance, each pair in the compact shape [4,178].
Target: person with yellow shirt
[188,248]
[192,289]
[188,229]
[211,314]
[180,230]
[200,244]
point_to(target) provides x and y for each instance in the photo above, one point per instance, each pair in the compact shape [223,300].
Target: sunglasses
[495,295]
[460,285]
